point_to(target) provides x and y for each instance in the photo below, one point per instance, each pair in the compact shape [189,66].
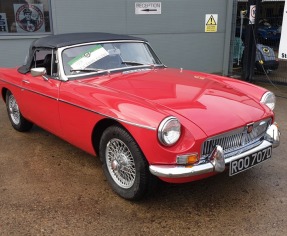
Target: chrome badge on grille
[249,128]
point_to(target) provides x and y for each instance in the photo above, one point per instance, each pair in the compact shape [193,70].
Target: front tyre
[17,120]
[125,166]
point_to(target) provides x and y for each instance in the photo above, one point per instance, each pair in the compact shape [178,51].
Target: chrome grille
[236,140]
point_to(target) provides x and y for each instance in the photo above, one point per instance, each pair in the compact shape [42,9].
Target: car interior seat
[48,64]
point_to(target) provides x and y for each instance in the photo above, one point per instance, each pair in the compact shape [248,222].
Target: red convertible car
[111,96]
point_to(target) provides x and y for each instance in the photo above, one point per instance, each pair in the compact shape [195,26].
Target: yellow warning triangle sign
[211,21]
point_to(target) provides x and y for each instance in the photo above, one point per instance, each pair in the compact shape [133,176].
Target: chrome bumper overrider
[217,162]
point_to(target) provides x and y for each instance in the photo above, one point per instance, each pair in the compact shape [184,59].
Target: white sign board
[252,14]
[3,23]
[283,41]
[148,8]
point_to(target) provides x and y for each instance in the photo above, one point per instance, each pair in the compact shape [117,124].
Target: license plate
[249,161]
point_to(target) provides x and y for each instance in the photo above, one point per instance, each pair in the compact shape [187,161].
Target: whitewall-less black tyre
[125,166]
[17,120]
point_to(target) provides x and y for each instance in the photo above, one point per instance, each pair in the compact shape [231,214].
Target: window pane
[25,17]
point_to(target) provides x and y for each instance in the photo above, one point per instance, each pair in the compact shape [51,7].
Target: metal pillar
[250,39]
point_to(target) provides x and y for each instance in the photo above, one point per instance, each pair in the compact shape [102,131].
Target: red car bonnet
[208,103]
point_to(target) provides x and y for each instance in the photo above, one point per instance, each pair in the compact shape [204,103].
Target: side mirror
[38,71]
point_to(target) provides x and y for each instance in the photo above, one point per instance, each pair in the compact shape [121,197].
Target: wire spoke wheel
[18,122]
[124,164]
[13,109]
[120,163]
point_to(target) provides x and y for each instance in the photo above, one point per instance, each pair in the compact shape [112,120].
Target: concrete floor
[48,187]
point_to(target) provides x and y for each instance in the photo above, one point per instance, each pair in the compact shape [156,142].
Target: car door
[40,93]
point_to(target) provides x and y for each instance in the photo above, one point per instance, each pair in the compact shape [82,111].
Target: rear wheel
[17,120]
[125,166]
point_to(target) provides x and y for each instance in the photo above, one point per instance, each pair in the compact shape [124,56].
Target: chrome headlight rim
[162,131]
[269,100]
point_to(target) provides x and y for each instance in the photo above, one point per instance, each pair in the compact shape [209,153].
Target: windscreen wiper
[134,63]
[89,70]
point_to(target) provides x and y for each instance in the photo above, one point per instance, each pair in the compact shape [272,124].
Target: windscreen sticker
[87,58]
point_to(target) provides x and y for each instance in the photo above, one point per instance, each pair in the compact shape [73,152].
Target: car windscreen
[82,59]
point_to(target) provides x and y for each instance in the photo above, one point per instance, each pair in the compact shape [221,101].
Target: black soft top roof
[62,40]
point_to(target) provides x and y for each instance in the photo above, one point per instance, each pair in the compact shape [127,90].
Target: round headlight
[169,131]
[269,100]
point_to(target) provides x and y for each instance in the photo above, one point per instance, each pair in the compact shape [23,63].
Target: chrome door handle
[26,81]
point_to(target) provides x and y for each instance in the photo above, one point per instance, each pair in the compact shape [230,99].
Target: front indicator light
[187,159]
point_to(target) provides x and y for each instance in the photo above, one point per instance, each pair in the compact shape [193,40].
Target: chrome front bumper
[217,162]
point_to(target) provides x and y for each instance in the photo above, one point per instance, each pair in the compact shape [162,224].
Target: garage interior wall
[177,34]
